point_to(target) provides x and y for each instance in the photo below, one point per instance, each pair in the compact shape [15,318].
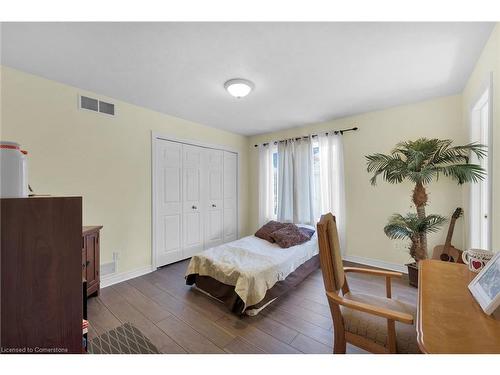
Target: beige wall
[487,64]
[107,160]
[104,159]
[369,207]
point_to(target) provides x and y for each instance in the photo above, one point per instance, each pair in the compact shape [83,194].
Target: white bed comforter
[251,264]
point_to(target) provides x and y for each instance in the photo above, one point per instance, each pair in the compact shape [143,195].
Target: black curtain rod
[342,131]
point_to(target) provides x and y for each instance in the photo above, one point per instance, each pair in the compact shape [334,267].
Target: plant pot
[413,274]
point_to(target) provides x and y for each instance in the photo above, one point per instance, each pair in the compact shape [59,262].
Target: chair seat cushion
[374,327]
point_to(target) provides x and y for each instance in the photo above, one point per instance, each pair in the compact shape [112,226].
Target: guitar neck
[447,243]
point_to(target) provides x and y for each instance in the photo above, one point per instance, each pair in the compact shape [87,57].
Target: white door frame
[486,89]
[157,137]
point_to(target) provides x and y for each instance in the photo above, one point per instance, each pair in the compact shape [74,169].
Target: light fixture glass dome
[239,87]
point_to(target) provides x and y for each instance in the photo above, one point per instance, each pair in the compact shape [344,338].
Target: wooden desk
[449,320]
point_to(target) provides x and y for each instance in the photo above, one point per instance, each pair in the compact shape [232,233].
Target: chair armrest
[370,309]
[373,272]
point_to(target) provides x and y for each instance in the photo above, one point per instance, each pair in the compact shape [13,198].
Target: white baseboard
[376,263]
[124,276]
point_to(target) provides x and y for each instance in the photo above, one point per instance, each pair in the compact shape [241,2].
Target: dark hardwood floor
[178,319]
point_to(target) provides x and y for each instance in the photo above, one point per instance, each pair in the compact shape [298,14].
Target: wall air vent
[89,103]
[107,108]
[95,105]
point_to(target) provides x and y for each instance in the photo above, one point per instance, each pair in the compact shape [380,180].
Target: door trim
[485,88]
[157,137]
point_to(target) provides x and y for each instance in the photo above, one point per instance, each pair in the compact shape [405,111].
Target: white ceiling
[303,72]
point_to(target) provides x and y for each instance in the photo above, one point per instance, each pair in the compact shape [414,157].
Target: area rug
[125,339]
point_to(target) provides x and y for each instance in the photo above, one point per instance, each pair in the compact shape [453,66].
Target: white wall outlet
[110,267]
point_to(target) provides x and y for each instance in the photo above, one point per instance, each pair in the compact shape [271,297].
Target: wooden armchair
[376,324]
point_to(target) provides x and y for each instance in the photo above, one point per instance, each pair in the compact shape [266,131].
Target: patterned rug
[125,339]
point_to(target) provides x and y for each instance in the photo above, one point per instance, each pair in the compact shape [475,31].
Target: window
[317,183]
[310,188]
[308,184]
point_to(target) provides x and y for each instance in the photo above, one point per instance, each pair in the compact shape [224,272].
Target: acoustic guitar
[448,252]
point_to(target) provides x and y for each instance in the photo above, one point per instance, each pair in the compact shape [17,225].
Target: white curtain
[331,167]
[295,181]
[266,184]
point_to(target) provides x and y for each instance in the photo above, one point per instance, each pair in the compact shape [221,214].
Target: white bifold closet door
[192,201]
[214,204]
[230,230]
[196,200]
[168,202]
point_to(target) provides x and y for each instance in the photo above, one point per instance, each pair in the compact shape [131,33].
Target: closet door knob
[194,207]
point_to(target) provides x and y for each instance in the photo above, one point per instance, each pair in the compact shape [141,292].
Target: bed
[250,273]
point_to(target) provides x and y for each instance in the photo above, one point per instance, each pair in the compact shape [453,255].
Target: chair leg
[339,344]
[339,341]
[391,336]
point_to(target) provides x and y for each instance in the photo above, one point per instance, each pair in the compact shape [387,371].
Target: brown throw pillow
[288,236]
[265,231]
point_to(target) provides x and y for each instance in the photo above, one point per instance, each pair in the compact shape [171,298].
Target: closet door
[230,231]
[168,202]
[213,186]
[193,211]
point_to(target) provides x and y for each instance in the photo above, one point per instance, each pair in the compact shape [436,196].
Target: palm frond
[397,232]
[392,168]
[410,225]
[463,173]
[431,223]
[425,176]
[459,154]
[423,160]
[397,228]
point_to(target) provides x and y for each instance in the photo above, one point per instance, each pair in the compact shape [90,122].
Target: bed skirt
[226,294]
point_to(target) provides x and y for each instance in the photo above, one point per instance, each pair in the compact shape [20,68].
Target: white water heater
[13,171]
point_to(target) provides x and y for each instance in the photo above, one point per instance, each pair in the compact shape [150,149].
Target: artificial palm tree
[411,227]
[421,162]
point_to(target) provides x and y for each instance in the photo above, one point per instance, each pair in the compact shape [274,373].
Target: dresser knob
[194,207]
[214,205]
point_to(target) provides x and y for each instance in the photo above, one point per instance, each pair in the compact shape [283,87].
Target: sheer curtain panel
[266,184]
[331,166]
[295,181]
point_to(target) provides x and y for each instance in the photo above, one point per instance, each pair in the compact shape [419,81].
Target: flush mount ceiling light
[239,87]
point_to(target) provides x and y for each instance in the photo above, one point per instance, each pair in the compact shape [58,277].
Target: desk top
[449,320]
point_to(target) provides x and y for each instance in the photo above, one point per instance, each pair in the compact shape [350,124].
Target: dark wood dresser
[90,258]
[41,283]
